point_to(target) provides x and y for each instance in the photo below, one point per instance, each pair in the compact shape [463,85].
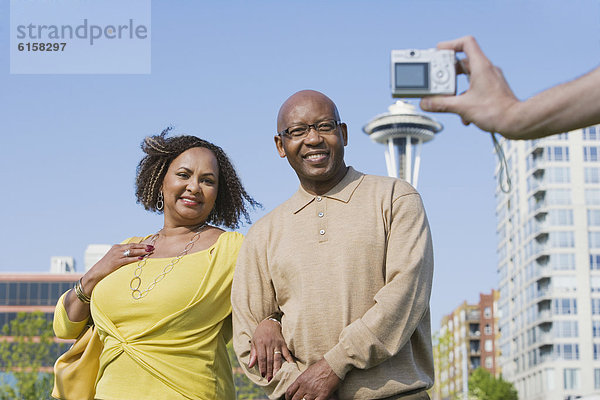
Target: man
[490,104]
[348,263]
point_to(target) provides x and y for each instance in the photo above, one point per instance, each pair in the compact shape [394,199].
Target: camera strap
[497,147]
[503,166]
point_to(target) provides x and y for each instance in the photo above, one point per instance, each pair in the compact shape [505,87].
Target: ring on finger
[277,352]
[126,253]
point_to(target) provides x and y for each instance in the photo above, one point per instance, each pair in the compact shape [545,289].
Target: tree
[25,348]
[484,386]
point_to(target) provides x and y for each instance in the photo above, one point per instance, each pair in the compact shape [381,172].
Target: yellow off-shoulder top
[171,344]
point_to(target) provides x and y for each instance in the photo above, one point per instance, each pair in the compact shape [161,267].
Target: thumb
[440,104]
[252,360]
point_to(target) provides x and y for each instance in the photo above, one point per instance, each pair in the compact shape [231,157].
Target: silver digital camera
[420,73]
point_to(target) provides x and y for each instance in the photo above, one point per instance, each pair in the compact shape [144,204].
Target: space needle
[402,130]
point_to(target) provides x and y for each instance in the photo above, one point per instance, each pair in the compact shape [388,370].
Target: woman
[161,303]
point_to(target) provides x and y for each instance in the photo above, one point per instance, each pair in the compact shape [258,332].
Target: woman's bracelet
[78,288]
[274,320]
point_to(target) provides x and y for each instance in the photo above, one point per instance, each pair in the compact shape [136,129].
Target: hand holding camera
[419,73]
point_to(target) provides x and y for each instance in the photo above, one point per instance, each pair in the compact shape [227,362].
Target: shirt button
[322,231]
[319,198]
[321,215]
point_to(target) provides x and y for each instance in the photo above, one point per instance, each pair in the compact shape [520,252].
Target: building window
[32,293]
[563,261]
[596,306]
[590,133]
[595,283]
[594,261]
[596,378]
[567,306]
[549,378]
[591,175]
[595,328]
[590,153]
[487,329]
[564,283]
[596,351]
[489,362]
[592,196]
[488,346]
[487,312]
[561,217]
[571,378]
[558,197]
[557,153]
[567,351]
[564,239]
[593,217]
[565,329]
[557,175]
[594,239]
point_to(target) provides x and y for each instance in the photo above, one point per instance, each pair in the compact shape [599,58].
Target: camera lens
[412,53]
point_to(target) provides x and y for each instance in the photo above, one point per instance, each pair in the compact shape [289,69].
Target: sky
[220,70]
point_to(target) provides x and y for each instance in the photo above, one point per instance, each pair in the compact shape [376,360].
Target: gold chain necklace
[136,281]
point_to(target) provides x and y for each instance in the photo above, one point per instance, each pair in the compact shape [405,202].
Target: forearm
[65,327]
[76,308]
[244,324]
[563,108]
[253,300]
[401,304]
[276,387]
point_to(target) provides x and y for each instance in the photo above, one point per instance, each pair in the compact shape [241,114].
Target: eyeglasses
[300,131]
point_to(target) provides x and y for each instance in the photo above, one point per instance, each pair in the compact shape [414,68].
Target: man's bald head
[304,99]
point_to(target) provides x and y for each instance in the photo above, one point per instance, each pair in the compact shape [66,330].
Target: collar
[343,191]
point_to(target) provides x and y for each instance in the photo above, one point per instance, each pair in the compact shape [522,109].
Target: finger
[463,66]
[285,352]
[262,360]
[291,391]
[470,47]
[138,246]
[137,251]
[252,360]
[441,104]
[277,361]
[300,394]
[465,44]
[270,361]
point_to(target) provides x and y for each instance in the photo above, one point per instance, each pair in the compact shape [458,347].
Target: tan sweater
[351,271]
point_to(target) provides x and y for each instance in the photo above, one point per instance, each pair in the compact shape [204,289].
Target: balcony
[541,227]
[543,257]
[544,316]
[473,315]
[542,274]
[545,339]
[544,293]
[541,236]
[546,354]
[474,334]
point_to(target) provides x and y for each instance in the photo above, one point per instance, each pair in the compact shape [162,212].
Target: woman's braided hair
[160,151]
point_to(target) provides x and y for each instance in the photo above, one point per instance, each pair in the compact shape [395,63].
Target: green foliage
[442,346]
[484,386]
[24,355]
